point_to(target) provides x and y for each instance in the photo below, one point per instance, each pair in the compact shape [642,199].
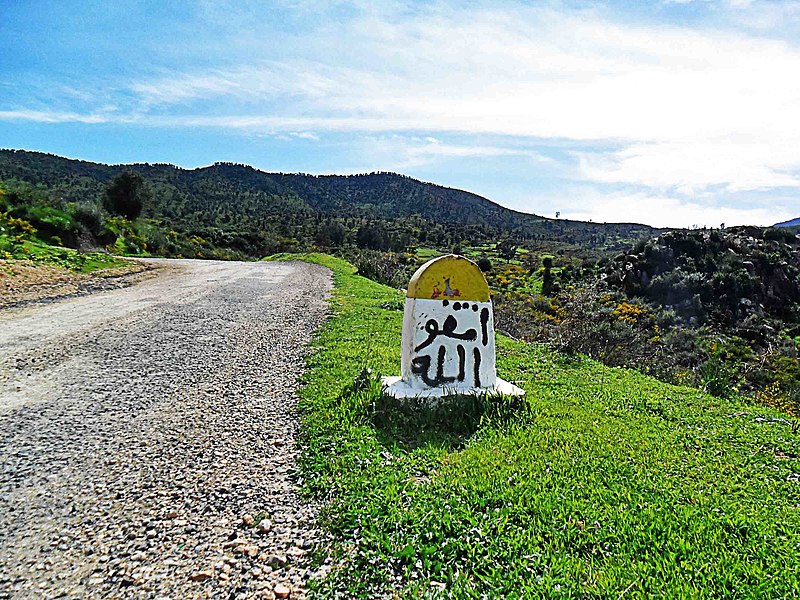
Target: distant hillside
[227,193]
[791,223]
[720,276]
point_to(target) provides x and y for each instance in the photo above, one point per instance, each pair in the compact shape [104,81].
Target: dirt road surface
[147,436]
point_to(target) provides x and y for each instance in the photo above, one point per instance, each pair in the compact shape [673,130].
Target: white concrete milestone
[448,345]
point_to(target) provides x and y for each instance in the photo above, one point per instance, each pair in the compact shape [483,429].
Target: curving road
[147,436]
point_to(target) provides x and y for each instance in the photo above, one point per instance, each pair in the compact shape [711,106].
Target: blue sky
[673,113]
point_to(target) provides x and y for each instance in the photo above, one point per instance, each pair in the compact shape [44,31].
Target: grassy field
[39,252]
[602,483]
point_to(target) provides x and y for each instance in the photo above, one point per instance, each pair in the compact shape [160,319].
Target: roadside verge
[28,282]
[603,483]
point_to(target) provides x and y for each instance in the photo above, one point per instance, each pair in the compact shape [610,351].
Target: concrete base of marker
[397,388]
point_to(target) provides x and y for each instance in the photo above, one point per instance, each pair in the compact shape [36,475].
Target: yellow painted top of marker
[449,277]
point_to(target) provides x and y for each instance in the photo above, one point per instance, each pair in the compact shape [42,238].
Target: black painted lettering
[476,365]
[440,376]
[421,366]
[485,326]
[448,330]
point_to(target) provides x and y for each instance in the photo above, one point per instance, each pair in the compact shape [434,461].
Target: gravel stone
[140,426]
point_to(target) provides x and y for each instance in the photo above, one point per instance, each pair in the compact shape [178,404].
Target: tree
[332,234]
[547,276]
[126,195]
[371,236]
[507,249]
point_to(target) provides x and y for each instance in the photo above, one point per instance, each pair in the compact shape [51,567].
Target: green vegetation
[603,483]
[38,252]
[20,240]
[32,214]
[238,211]
[126,195]
[718,309]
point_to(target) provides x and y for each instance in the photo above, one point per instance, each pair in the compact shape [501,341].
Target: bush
[387,268]
[89,216]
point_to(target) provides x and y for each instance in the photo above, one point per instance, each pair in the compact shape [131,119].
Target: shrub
[89,216]
[387,268]
[484,264]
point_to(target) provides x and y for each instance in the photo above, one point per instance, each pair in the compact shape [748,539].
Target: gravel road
[147,436]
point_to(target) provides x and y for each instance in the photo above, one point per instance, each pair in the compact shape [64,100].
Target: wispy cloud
[690,108]
[43,116]
[695,165]
[402,152]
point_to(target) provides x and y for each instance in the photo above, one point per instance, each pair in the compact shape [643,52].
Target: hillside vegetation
[24,247]
[602,483]
[716,309]
[246,212]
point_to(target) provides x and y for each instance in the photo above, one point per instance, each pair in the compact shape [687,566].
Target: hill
[717,309]
[790,223]
[725,277]
[234,197]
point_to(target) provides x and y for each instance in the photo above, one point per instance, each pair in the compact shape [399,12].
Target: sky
[670,113]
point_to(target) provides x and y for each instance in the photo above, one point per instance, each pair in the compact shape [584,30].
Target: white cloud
[691,108]
[696,165]
[663,211]
[43,116]
[403,153]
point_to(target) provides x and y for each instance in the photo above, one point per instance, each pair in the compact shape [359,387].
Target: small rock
[203,575]
[276,560]
[248,520]
[264,526]
[282,591]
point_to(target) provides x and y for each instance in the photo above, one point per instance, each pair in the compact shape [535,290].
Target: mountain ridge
[377,194]
[789,223]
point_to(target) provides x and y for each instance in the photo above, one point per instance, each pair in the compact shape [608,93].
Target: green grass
[602,484]
[42,253]
[427,253]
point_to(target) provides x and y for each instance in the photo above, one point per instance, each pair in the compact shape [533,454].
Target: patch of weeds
[398,304]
